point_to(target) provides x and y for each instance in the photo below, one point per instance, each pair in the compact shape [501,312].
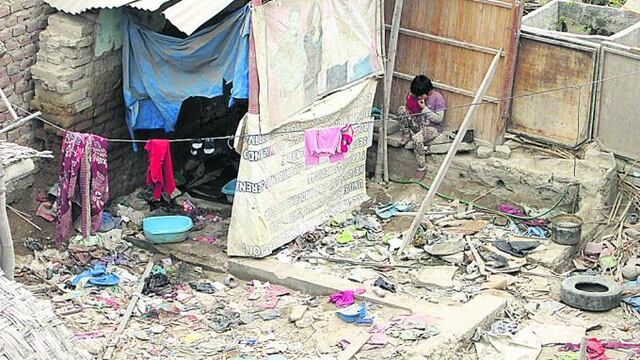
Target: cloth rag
[83,179]
[160,170]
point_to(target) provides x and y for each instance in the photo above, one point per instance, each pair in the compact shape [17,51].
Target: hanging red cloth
[160,170]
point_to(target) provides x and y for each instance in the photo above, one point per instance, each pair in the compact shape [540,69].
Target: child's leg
[420,150]
[404,118]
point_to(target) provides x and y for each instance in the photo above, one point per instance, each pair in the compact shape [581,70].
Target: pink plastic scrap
[345,298]
[271,296]
[595,349]
[512,210]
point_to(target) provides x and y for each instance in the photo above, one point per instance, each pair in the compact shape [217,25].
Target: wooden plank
[503,4]
[437,181]
[354,347]
[127,315]
[446,87]
[382,158]
[443,40]
[7,256]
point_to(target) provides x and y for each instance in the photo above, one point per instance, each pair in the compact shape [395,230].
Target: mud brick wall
[21,21]
[80,91]
[79,88]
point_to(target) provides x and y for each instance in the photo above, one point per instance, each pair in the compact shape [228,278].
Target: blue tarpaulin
[160,72]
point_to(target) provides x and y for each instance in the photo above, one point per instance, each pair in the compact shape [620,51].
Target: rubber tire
[590,301]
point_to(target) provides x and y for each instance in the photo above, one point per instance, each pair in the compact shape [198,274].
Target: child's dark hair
[421,85]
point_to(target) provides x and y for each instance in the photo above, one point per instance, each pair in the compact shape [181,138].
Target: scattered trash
[355,314]
[97,276]
[345,298]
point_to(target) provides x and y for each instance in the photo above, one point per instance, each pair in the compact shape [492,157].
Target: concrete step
[456,323]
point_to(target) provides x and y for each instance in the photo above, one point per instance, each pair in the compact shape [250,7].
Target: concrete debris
[502,152]
[484,152]
[438,276]
[446,248]
[297,312]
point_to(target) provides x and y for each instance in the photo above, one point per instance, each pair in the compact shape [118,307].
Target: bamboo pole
[433,189]
[382,159]
[7,257]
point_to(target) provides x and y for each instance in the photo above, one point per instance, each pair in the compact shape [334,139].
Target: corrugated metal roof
[186,15]
[189,15]
[78,6]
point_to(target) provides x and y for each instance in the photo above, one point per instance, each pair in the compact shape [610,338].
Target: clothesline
[224,137]
[276,132]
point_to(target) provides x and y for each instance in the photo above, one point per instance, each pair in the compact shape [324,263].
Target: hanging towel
[160,170]
[82,177]
[322,143]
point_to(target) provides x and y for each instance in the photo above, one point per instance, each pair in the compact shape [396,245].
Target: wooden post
[7,258]
[452,151]
[382,160]
[8,105]
[254,82]
[111,348]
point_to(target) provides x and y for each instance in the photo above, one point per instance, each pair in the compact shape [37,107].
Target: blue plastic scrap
[355,314]
[160,71]
[97,275]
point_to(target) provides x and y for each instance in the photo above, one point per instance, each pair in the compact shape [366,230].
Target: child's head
[421,86]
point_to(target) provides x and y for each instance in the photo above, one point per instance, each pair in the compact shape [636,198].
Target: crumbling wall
[81,91]
[78,86]
[20,23]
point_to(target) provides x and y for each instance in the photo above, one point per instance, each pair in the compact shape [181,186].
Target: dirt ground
[185,323]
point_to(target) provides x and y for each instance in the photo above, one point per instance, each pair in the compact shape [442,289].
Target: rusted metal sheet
[453,42]
[539,109]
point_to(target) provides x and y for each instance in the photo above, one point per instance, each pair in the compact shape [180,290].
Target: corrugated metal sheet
[188,15]
[78,6]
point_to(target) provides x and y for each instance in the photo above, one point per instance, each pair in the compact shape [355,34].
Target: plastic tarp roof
[186,15]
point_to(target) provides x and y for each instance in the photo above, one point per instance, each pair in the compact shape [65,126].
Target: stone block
[484,152]
[70,24]
[83,105]
[11,21]
[503,152]
[13,69]
[18,30]
[4,11]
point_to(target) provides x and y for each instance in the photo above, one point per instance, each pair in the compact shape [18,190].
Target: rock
[436,276]
[497,282]
[445,248]
[630,272]
[484,152]
[297,312]
[593,248]
[503,152]
[455,259]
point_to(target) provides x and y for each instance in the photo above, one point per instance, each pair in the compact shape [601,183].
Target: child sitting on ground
[421,119]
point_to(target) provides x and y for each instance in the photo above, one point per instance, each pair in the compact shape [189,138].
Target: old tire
[591,293]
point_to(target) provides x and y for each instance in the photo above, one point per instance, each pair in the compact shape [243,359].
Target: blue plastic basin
[166,229]
[230,190]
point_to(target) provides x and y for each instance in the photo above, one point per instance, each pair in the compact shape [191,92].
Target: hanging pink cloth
[160,170]
[82,178]
[322,143]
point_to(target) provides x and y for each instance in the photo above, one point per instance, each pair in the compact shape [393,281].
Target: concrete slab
[456,323]
[436,276]
[208,257]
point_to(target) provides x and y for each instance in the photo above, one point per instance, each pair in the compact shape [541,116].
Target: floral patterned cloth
[82,178]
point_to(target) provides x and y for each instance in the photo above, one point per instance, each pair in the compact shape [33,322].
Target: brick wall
[20,23]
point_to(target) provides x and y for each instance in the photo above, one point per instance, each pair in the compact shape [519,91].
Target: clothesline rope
[276,132]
